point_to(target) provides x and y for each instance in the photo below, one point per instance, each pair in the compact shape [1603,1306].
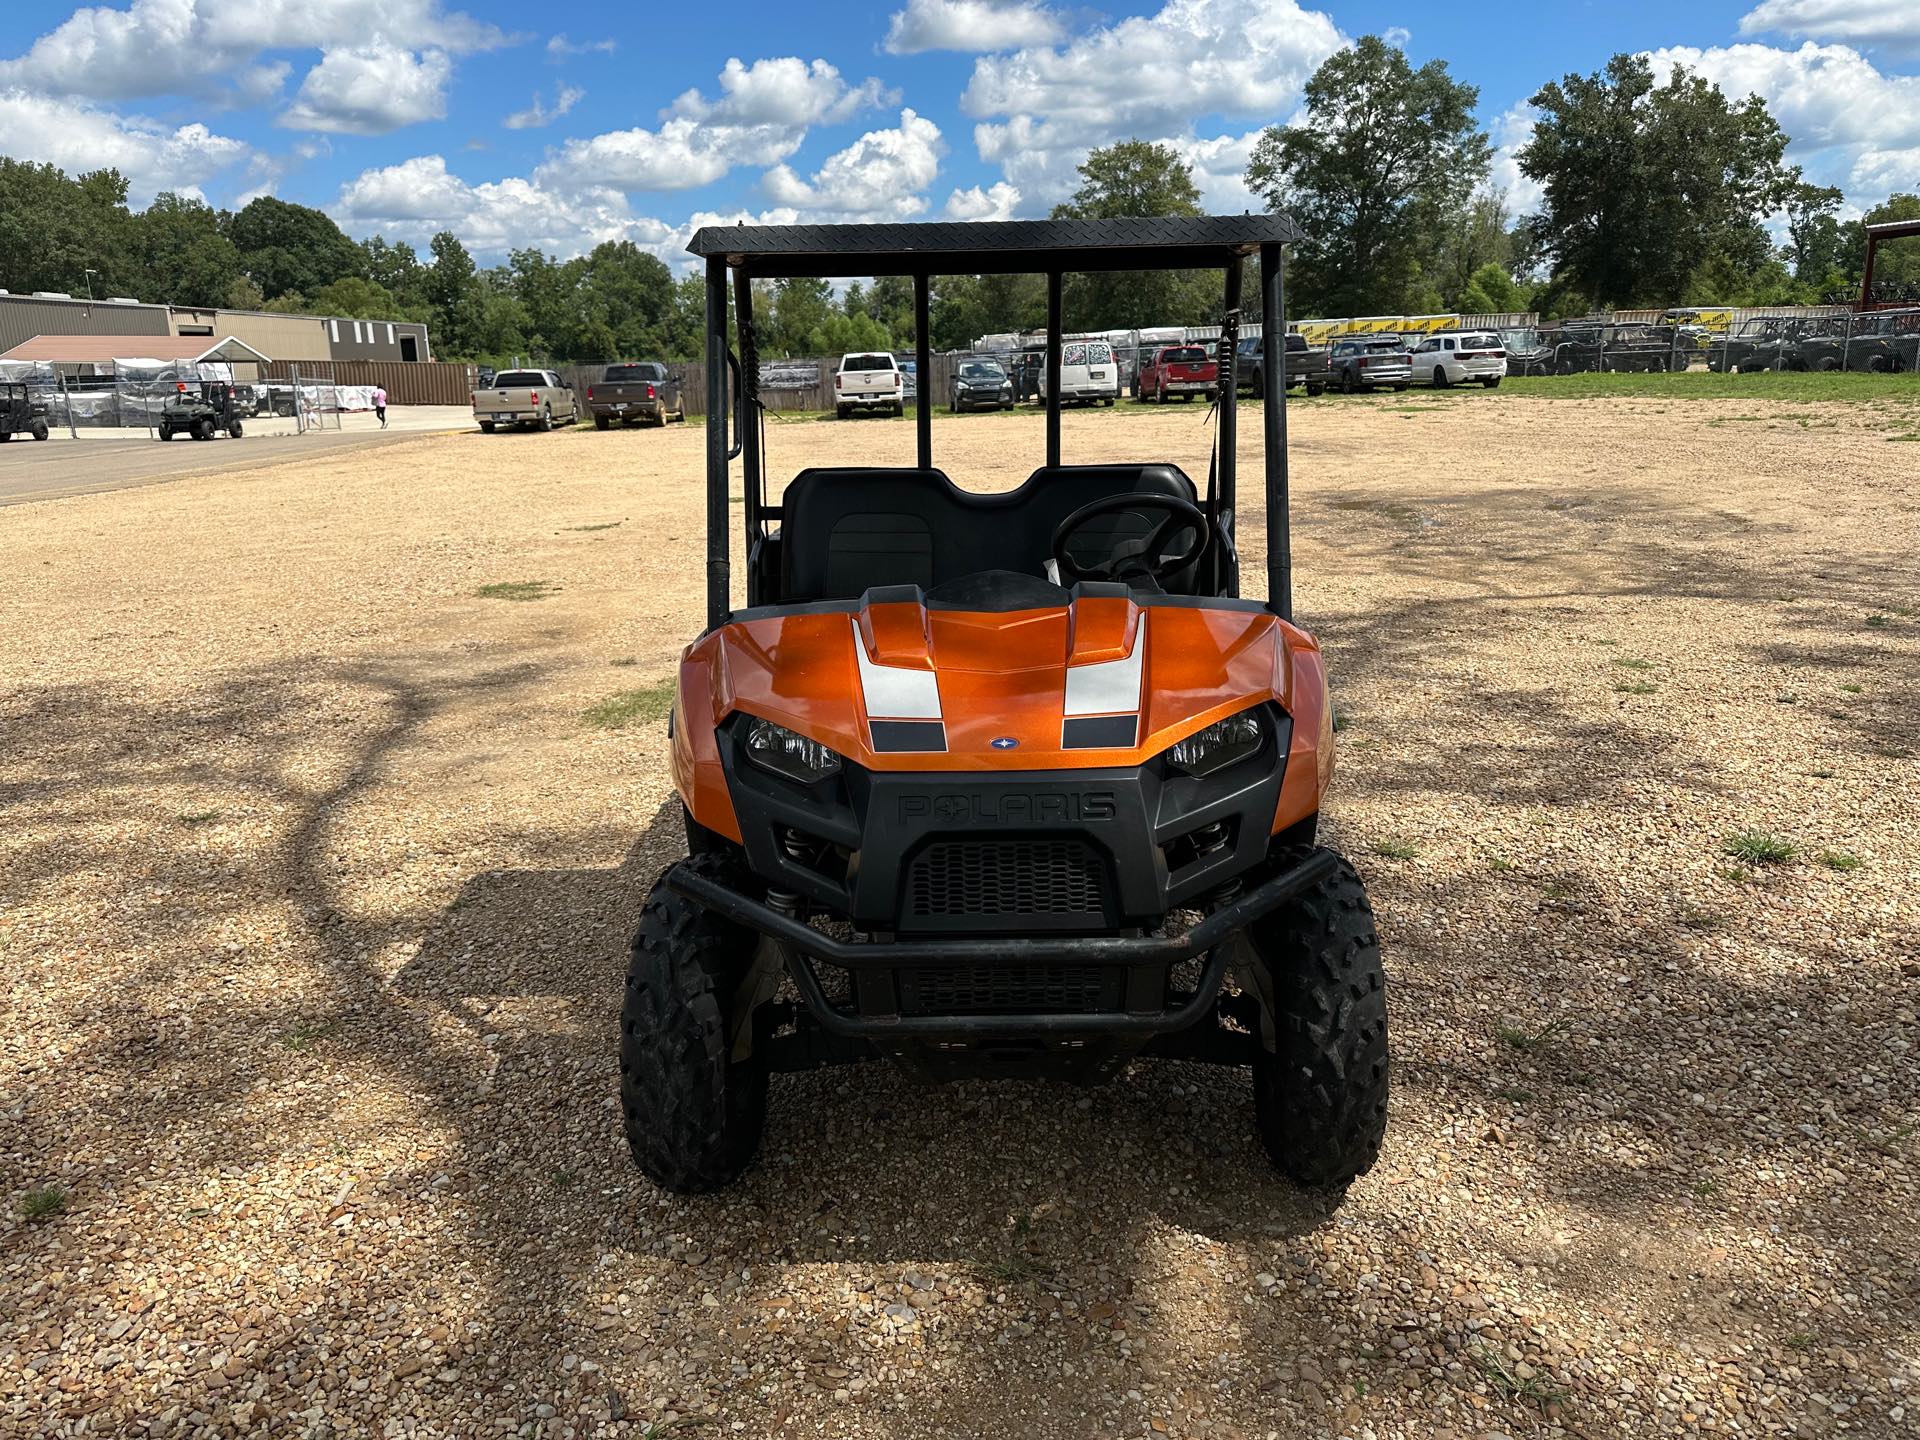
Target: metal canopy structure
[1052,248]
[1877,235]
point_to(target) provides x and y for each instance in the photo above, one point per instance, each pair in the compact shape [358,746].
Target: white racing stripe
[892,692]
[1111,687]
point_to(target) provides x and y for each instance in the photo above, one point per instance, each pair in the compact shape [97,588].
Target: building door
[409,349]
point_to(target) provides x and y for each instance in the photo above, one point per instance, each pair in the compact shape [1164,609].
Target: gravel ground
[314,887]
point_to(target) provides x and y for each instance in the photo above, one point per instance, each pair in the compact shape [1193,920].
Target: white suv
[1453,357]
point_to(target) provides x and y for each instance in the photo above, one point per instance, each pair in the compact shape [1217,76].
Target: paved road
[52,470]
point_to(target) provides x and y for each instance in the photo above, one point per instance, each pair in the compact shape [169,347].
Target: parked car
[909,378]
[1368,362]
[1179,372]
[1089,374]
[1457,357]
[1306,365]
[869,382]
[635,390]
[979,382]
[538,398]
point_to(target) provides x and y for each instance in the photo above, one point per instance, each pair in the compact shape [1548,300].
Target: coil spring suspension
[1209,841]
[797,848]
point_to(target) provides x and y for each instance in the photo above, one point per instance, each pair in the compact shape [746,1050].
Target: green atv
[200,410]
[18,413]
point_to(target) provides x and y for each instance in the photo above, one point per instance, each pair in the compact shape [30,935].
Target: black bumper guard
[803,943]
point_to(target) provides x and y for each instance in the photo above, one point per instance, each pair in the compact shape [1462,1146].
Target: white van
[1089,373]
[1453,357]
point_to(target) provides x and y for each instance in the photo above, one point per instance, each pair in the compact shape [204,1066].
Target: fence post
[299,410]
[66,397]
[1846,345]
[146,404]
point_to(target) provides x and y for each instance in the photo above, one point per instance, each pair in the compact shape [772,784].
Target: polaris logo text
[1010,808]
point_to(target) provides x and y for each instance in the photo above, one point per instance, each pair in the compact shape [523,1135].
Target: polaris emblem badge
[1005,742]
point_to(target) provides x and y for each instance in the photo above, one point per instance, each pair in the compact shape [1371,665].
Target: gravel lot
[315,883]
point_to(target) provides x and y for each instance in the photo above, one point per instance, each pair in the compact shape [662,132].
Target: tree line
[1651,194]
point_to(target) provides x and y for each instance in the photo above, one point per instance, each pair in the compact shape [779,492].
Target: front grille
[1018,880]
[1009,989]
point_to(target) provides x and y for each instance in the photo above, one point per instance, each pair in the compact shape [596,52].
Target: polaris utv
[200,409]
[19,413]
[1009,784]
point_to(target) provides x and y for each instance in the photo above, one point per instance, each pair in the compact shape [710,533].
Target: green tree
[354,298]
[1489,290]
[1644,184]
[180,254]
[395,267]
[1814,244]
[243,294]
[889,303]
[54,228]
[628,292]
[292,247]
[800,306]
[452,290]
[1470,238]
[840,334]
[1129,178]
[1385,152]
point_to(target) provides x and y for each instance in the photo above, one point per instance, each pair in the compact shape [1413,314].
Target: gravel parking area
[315,881]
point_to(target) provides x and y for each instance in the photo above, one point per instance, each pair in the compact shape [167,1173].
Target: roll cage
[1050,248]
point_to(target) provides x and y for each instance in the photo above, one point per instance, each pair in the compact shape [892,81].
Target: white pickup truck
[525,397]
[869,382]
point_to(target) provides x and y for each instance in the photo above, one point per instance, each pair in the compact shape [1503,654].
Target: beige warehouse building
[284,337]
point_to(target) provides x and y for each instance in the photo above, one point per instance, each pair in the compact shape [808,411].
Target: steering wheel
[1136,560]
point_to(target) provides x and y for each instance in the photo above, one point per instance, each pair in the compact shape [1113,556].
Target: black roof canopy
[992,247]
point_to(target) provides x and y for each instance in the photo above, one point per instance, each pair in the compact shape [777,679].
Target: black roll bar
[719,546]
[1053,368]
[923,364]
[1227,472]
[1273,418]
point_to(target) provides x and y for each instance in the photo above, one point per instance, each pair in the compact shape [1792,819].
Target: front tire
[1320,1098]
[694,1114]
[39,430]
[234,430]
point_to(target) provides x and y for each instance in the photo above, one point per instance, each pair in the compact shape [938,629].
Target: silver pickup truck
[538,398]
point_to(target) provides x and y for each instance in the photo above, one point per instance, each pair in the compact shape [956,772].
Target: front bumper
[983,399]
[1141,960]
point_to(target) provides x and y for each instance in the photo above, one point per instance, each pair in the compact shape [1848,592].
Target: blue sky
[640,121]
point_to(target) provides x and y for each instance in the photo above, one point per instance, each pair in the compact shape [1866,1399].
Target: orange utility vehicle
[999,784]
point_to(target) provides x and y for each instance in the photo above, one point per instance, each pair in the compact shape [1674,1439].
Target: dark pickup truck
[1306,365]
[635,390]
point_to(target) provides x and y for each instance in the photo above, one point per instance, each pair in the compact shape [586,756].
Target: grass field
[1706,385]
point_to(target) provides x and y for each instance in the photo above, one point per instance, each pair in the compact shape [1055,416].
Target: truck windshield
[518,379]
[981,370]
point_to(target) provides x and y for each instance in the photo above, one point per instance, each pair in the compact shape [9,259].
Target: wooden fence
[426,382]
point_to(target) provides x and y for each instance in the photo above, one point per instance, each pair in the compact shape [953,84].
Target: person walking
[380,404]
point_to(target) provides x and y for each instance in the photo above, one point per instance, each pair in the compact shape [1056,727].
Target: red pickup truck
[1178,372]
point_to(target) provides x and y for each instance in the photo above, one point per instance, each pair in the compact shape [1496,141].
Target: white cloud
[77,136]
[971,25]
[997,202]
[1192,58]
[1892,25]
[212,49]
[560,47]
[1397,36]
[763,112]
[1510,134]
[1852,124]
[371,90]
[880,176]
[419,197]
[537,114]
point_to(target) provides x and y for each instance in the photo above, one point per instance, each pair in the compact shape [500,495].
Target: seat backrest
[847,530]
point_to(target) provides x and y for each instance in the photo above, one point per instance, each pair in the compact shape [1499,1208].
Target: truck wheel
[39,429]
[546,417]
[486,427]
[694,1114]
[1492,382]
[1313,390]
[841,411]
[1259,385]
[1320,1099]
[601,422]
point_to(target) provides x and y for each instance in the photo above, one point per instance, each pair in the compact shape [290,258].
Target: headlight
[776,748]
[1219,745]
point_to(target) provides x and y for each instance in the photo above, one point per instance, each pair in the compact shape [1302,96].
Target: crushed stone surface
[315,888]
